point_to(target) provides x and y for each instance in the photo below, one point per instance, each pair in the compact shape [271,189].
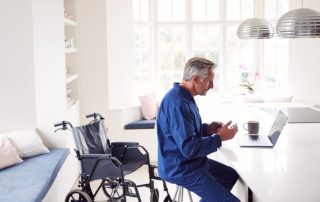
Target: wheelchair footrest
[129,185]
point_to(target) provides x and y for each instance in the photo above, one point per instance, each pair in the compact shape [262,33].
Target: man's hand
[214,127]
[227,132]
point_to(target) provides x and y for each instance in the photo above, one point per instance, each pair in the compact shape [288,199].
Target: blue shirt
[183,145]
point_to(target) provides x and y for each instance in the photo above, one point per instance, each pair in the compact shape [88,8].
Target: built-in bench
[31,180]
[141,124]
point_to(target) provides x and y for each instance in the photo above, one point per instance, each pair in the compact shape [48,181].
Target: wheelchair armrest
[136,147]
[124,143]
[103,156]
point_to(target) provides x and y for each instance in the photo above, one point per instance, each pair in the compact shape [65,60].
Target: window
[275,52]
[142,46]
[168,32]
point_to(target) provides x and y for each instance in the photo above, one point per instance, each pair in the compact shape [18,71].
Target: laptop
[269,140]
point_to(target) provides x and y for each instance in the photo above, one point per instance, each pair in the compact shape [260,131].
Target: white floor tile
[140,177]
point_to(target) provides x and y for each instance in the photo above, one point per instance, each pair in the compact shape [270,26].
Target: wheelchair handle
[58,124]
[64,125]
[94,115]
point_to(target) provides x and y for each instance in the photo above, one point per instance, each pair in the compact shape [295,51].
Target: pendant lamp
[255,28]
[299,23]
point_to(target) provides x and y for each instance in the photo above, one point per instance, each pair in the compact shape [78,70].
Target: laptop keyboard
[258,140]
[254,137]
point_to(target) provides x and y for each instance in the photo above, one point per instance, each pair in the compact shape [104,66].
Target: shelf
[69,22]
[72,103]
[71,77]
[70,50]
[71,61]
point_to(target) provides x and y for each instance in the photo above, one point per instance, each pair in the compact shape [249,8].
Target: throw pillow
[8,154]
[149,106]
[27,143]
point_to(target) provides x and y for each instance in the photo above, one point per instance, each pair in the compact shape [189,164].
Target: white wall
[49,68]
[105,55]
[304,60]
[120,54]
[32,67]
[92,46]
[17,92]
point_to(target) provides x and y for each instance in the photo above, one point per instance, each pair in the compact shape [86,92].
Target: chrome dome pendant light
[299,23]
[255,28]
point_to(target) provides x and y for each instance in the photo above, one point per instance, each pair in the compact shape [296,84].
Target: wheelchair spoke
[73,199]
[117,193]
[113,188]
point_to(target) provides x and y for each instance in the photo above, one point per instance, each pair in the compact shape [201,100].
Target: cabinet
[71,60]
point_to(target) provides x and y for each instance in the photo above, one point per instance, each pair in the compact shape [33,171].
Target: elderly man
[184,141]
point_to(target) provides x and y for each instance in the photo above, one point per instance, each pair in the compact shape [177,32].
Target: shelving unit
[71,77]
[71,50]
[69,22]
[71,58]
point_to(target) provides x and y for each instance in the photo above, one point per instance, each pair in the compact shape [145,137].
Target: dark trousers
[214,184]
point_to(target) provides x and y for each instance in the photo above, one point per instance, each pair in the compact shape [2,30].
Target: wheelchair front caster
[77,195]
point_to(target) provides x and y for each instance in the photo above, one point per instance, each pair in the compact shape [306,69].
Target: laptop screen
[277,127]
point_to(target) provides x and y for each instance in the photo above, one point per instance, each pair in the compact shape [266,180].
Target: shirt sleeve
[204,131]
[190,144]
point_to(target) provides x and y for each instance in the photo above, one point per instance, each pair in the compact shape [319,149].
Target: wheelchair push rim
[113,188]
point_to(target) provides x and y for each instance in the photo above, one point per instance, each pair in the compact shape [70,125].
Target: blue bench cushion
[30,181]
[141,124]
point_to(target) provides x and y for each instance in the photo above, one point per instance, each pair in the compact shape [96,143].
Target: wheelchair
[109,163]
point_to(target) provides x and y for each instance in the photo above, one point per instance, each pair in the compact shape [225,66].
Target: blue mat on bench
[30,180]
[141,124]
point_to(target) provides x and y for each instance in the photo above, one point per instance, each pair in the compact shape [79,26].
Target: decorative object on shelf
[69,43]
[249,86]
[299,23]
[69,91]
[255,28]
[70,101]
[66,43]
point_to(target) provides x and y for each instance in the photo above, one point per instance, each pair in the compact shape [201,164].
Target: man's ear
[195,79]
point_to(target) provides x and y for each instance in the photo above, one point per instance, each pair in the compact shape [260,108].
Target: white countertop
[288,172]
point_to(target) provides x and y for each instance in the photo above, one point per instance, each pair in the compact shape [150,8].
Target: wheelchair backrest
[92,138]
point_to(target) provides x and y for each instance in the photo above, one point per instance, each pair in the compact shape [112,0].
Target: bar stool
[178,196]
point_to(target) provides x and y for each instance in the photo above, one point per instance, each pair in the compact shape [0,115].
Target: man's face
[203,85]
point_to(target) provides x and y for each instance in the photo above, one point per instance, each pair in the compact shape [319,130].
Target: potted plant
[249,86]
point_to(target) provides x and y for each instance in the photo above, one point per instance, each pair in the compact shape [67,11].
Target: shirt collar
[183,91]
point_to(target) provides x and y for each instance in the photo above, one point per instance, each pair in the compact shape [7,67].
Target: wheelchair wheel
[77,195]
[112,188]
[154,197]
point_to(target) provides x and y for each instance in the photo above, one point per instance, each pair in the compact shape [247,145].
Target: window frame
[223,23]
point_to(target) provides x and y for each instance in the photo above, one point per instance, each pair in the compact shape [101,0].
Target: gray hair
[197,66]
